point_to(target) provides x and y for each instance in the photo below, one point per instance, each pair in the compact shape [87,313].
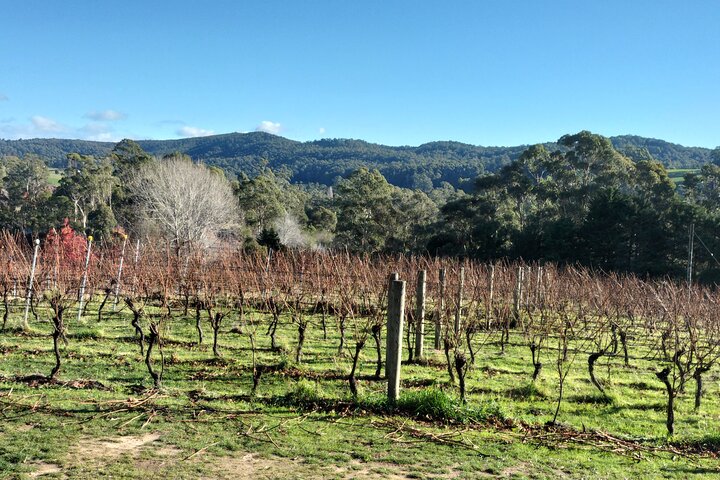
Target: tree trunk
[614,341]
[409,339]
[461,368]
[468,339]
[351,379]
[323,322]
[680,369]
[56,349]
[301,340]
[504,335]
[138,331]
[446,347]
[663,344]
[697,375]
[216,322]
[623,341]
[537,366]
[560,396]
[663,376]
[342,336]
[152,338]
[33,308]
[376,335]
[591,369]
[198,322]
[6,313]
[272,331]
[108,292]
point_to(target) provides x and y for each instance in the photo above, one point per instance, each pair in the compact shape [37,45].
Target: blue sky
[500,72]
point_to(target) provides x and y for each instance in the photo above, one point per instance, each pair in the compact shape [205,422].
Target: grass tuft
[528,391]
[305,394]
[435,404]
[596,399]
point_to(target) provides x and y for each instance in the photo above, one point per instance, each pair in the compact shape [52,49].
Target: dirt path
[148,457]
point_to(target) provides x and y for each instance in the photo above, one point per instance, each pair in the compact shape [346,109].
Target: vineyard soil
[101,417]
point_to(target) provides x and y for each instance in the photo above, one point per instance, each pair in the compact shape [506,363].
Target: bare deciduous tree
[290,232]
[188,203]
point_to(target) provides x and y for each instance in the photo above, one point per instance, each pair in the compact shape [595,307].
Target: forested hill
[53,150]
[323,161]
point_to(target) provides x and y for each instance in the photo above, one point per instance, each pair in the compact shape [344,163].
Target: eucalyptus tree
[26,202]
[88,183]
[364,204]
[260,200]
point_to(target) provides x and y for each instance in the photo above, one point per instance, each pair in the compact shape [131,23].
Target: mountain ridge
[322,161]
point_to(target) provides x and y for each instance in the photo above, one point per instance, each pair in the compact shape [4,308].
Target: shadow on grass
[693,470]
[594,399]
[645,386]
[527,391]
[491,371]
[282,370]
[707,445]
[417,382]
[37,381]
[483,391]
[659,407]
[426,362]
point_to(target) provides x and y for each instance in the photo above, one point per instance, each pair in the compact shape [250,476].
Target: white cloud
[12,131]
[103,137]
[98,132]
[269,127]
[321,130]
[44,124]
[106,116]
[3,97]
[95,128]
[188,131]
[43,127]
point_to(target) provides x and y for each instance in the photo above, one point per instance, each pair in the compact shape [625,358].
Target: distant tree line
[424,167]
[579,200]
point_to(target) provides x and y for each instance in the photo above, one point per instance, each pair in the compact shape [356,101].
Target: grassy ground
[677,175]
[55,176]
[303,423]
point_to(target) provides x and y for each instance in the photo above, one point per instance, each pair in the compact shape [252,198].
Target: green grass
[302,421]
[55,176]
[677,175]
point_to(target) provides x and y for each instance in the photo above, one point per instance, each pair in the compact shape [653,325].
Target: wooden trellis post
[393,346]
[81,295]
[458,312]
[28,297]
[440,308]
[420,313]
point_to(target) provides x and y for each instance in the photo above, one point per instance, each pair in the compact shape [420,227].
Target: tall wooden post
[538,285]
[119,275]
[28,297]
[135,262]
[393,346]
[517,300]
[440,308]
[489,305]
[81,295]
[420,290]
[458,312]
